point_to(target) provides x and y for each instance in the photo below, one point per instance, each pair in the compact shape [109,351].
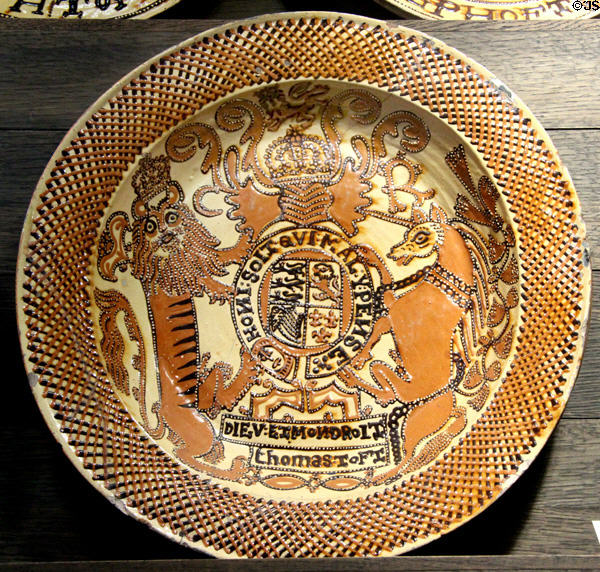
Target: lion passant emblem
[302,311]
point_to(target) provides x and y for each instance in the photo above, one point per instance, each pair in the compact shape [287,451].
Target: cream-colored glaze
[217,331]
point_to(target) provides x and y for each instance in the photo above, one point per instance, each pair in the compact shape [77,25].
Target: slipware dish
[304,285]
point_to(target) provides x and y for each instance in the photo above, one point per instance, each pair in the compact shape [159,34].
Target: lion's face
[171,248]
[164,229]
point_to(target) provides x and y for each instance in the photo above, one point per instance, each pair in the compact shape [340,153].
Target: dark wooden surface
[51,72]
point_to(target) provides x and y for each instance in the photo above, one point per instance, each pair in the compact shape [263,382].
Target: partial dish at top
[99,9]
[494,9]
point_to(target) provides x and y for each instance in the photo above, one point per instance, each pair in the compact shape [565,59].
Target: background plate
[493,10]
[83,9]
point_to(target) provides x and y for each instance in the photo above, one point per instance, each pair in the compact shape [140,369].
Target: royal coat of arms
[289,300]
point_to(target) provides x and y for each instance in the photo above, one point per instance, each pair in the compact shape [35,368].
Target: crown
[151,177]
[297,156]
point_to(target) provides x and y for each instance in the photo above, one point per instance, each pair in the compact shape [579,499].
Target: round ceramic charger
[305,285]
[83,8]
